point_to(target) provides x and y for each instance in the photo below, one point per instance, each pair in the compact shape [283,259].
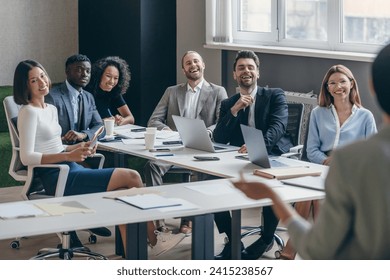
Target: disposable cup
[149,140]
[109,126]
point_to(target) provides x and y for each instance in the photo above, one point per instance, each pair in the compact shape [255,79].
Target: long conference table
[206,198]
[227,167]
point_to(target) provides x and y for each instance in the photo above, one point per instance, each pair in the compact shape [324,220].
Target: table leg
[136,245]
[203,237]
[236,235]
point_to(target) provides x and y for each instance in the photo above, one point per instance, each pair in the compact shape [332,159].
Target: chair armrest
[295,152]
[102,159]
[61,182]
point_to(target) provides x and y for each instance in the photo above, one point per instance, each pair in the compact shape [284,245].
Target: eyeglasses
[334,84]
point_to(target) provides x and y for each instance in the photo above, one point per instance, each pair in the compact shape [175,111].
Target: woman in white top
[40,143]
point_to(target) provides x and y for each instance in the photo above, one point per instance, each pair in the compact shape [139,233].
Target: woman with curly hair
[110,79]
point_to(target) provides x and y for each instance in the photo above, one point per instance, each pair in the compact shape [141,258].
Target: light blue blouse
[325,133]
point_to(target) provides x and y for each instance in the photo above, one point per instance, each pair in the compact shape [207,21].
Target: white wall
[191,30]
[44,30]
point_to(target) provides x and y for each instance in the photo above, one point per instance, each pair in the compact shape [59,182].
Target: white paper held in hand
[96,136]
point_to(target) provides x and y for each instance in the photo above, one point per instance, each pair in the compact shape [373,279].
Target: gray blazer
[353,222]
[173,103]
[60,97]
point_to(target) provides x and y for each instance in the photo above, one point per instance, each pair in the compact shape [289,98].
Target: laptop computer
[257,151]
[193,133]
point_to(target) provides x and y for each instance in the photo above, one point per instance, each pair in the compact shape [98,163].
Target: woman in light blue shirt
[339,119]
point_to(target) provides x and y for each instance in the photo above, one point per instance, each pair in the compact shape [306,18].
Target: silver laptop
[193,133]
[257,151]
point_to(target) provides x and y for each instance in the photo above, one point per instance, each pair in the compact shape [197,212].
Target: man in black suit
[263,108]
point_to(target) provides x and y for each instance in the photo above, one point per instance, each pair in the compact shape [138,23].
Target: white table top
[227,167]
[108,212]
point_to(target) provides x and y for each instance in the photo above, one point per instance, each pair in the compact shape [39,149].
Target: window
[332,25]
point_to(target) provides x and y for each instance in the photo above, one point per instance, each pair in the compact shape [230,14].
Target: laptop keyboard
[275,163]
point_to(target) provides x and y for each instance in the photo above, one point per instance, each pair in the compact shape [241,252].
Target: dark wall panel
[143,32]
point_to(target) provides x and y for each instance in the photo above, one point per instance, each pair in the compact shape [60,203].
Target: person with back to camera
[110,80]
[197,99]
[265,109]
[338,120]
[40,143]
[354,219]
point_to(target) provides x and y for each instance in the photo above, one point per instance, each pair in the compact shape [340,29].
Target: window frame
[275,43]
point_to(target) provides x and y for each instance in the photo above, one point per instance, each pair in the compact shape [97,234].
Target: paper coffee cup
[149,140]
[109,126]
[151,129]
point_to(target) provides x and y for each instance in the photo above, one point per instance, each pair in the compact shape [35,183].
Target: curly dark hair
[98,68]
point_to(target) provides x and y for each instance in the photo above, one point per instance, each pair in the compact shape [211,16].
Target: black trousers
[223,221]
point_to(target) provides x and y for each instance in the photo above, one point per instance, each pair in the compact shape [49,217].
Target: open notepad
[148,201]
[19,211]
[287,172]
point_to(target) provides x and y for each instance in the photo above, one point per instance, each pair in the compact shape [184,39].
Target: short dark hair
[246,54]
[76,58]
[98,68]
[380,73]
[21,91]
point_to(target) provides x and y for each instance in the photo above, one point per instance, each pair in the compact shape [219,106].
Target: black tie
[80,103]
[244,115]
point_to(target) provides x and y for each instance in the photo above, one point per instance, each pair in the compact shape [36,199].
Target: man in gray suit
[77,123]
[196,99]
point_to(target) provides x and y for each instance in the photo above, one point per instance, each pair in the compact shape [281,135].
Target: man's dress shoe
[226,253]
[256,249]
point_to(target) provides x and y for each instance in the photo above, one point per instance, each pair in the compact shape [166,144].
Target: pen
[164,155]
[25,216]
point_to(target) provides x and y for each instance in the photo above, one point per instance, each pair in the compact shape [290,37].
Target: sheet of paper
[185,205]
[148,201]
[133,141]
[167,134]
[213,189]
[18,211]
[130,192]
[58,209]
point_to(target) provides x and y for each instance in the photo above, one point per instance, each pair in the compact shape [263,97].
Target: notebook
[193,133]
[310,182]
[257,151]
[148,201]
[287,172]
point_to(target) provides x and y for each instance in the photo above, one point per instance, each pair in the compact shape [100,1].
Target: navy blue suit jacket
[271,115]
[60,97]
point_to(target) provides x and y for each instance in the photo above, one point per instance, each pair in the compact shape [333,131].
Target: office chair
[295,117]
[31,190]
